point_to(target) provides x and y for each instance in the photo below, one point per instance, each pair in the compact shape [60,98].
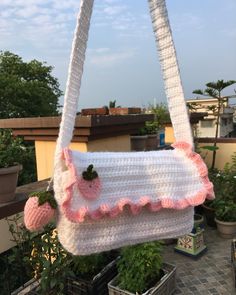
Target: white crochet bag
[107,200]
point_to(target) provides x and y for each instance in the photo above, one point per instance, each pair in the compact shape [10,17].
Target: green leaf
[210,148]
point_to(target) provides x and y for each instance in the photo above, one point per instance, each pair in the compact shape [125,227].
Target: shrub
[139,267]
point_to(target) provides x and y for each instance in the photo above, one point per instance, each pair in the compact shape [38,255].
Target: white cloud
[187,20]
[104,57]
[116,15]
[41,24]
[114,10]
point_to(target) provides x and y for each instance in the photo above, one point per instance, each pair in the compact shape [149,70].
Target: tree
[161,114]
[214,90]
[27,89]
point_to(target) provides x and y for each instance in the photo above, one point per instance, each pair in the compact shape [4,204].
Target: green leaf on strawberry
[45,197]
[90,174]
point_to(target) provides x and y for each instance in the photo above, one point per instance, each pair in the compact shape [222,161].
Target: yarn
[37,216]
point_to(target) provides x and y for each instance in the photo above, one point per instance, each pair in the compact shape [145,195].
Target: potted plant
[152,140]
[15,265]
[225,203]
[118,110]
[209,206]
[92,273]
[141,271]
[226,218]
[11,151]
[139,140]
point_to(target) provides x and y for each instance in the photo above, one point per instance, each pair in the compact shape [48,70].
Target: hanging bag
[108,200]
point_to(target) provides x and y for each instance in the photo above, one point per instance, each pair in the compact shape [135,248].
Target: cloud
[40,24]
[230,32]
[187,21]
[105,57]
[114,10]
[115,15]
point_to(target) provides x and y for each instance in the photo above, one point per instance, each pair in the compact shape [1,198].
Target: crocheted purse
[108,200]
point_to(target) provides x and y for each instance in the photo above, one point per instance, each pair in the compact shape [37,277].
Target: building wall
[169,135]
[5,240]
[207,127]
[223,155]
[45,156]
[45,151]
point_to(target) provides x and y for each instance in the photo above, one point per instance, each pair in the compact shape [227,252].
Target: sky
[122,62]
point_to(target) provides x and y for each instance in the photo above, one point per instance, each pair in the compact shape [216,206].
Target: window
[207,123]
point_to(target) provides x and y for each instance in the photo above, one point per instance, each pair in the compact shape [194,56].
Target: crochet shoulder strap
[169,64]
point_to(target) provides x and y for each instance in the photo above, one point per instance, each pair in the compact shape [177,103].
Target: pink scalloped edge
[106,210]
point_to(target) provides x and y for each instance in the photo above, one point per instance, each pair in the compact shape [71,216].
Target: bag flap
[104,183]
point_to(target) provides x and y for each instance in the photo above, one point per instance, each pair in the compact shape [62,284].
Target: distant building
[207,126]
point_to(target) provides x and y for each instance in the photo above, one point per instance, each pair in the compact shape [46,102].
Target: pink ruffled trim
[83,212]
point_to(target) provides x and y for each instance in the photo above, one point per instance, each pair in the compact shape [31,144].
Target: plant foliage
[88,266]
[161,116]
[225,187]
[11,149]
[27,89]
[140,267]
[214,90]
[15,266]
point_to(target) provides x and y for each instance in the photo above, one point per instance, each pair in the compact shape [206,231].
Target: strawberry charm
[89,184]
[39,210]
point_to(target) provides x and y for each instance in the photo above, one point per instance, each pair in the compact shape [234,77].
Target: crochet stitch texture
[142,196]
[173,179]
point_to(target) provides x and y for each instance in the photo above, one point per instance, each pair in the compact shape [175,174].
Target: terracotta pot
[210,215]
[226,230]
[124,111]
[95,111]
[138,142]
[8,183]
[151,142]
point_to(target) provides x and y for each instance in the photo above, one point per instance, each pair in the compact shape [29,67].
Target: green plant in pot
[225,206]
[209,206]
[139,140]
[91,273]
[151,131]
[11,151]
[141,269]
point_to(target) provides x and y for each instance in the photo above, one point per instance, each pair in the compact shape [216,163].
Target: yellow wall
[45,151]
[45,155]
[115,144]
[169,135]
[223,154]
